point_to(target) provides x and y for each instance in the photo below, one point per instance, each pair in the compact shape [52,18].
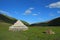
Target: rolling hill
[34,33]
[53,22]
[6,19]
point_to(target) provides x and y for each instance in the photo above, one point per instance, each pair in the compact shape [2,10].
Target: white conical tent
[18,23]
[18,26]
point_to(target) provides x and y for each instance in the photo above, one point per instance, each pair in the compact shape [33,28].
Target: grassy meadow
[34,33]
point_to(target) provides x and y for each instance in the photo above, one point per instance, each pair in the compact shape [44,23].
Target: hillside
[53,22]
[39,24]
[10,20]
[7,19]
[34,33]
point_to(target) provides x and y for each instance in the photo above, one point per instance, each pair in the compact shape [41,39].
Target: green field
[34,33]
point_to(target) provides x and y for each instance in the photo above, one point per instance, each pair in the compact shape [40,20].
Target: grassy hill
[34,33]
[7,19]
[10,20]
[53,22]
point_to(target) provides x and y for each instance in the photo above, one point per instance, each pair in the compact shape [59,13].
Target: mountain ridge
[53,22]
[10,20]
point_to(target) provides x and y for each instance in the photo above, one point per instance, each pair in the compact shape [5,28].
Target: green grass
[34,33]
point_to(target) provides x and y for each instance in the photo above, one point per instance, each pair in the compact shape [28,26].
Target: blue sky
[31,11]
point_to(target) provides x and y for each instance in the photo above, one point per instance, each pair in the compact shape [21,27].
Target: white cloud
[58,12]
[51,14]
[28,11]
[35,14]
[54,5]
[1,11]
[38,13]
[31,8]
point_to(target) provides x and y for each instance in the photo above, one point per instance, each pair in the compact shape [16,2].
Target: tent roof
[18,23]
